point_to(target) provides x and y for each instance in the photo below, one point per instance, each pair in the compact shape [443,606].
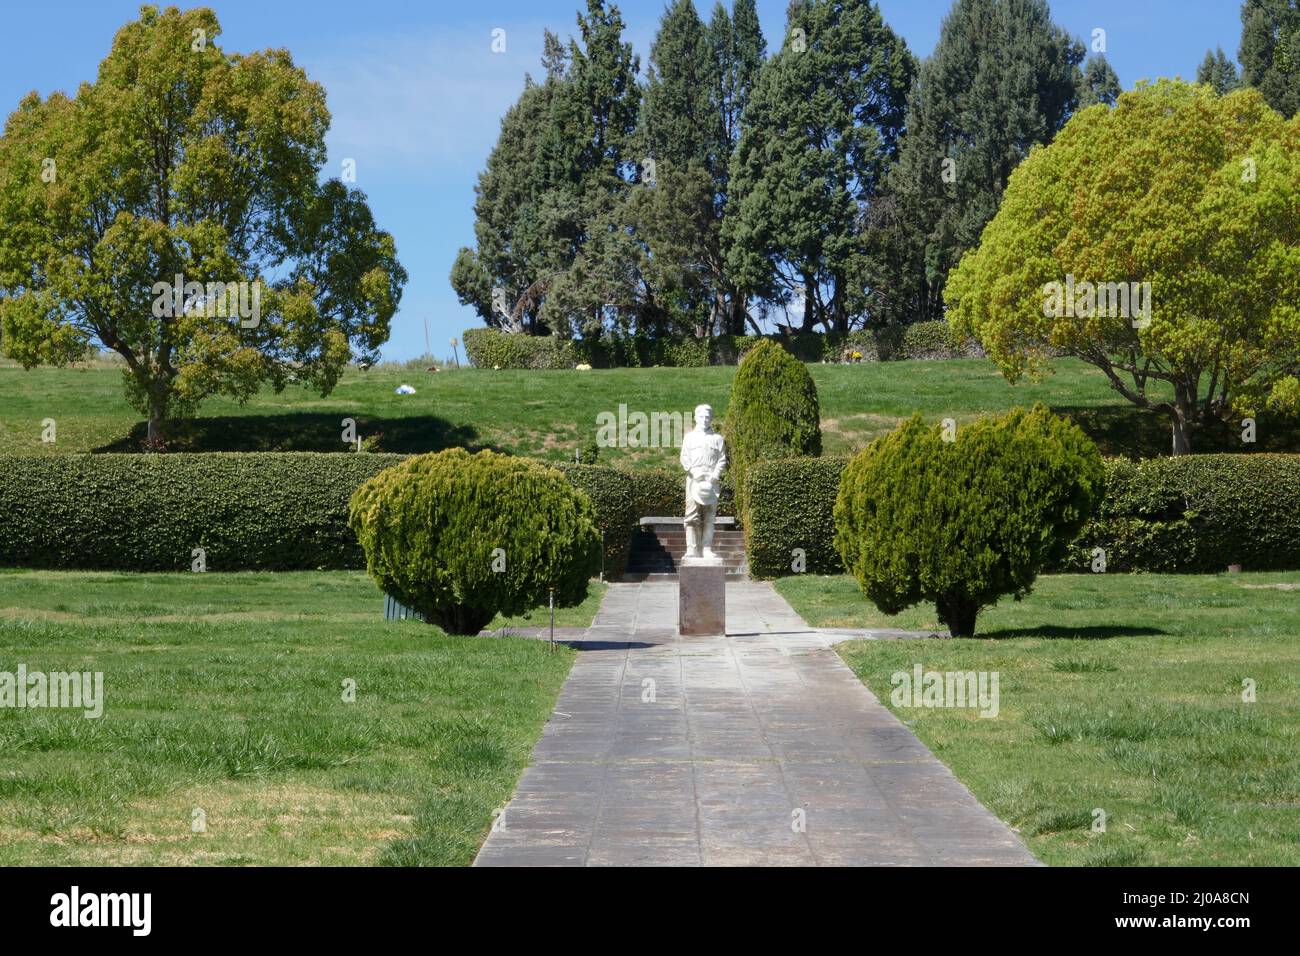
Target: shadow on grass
[1093,632]
[305,431]
[1131,432]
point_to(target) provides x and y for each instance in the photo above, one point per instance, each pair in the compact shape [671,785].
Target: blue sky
[417,94]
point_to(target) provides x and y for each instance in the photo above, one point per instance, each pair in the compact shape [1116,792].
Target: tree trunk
[1182,442]
[460,618]
[958,613]
[810,316]
[157,416]
[1183,397]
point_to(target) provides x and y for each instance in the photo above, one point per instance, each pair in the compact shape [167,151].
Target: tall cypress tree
[522,232]
[1002,79]
[821,126]
[697,83]
[1270,51]
[1100,84]
[554,185]
[1218,71]
[680,113]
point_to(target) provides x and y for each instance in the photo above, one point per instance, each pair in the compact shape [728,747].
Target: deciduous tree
[1159,241]
[183,160]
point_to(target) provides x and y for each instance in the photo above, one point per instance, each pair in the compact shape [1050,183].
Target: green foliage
[773,413]
[1218,71]
[1185,176]
[612,493]
[1100,84]
[267,511]
[1196,514]
[792,506]
[821,126]
[964,522]
[489,348]
[461,537]
[1270,52]
[230,194]
[1003,78]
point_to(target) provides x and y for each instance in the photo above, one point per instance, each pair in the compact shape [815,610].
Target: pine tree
[555,181]
[680,113]
[1100,83]
[821,126]
[1218,71]
[698,79]
[1002,79]
[1270,51]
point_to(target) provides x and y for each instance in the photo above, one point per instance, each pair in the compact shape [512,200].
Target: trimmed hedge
[268,511]
[1193,514]
[492,348]
[613,496]
[288,511]
[792,505]
[1197,514]
[489,348]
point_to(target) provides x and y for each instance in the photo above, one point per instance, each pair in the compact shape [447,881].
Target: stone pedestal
[701,597]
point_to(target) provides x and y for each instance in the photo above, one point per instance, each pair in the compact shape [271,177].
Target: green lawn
[548,414]
[224,694]
[1119,692]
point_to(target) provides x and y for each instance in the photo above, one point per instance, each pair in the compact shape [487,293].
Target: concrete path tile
[760,748]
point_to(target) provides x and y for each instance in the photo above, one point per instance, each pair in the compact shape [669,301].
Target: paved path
[745,736]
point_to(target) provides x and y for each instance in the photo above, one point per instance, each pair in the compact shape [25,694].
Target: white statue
[704,457]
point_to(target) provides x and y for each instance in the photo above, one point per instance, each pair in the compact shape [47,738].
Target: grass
[1117,692]
[549,414]
[224,701]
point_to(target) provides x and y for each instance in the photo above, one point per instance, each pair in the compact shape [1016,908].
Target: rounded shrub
[963,522]
[463,537]
[773,413]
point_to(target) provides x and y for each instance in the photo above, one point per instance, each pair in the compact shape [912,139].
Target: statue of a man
[704,457]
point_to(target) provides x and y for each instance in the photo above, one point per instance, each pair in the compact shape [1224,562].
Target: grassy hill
[549,414]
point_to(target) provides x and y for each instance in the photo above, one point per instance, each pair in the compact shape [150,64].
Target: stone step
[660,544]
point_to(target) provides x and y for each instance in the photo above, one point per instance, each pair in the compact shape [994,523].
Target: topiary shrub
[461,537]
[773,413]
[963,522]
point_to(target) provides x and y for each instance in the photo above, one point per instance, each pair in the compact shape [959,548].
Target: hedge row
[288,511]
[268,511]
[1194,514]
[271,511]
[490,348]
[791,507]
[1197,514]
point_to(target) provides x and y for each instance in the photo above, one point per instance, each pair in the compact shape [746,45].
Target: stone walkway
[760,748]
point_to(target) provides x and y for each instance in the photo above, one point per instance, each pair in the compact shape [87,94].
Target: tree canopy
[822,127]
[1003,78]
[1159,241]
[182,180]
